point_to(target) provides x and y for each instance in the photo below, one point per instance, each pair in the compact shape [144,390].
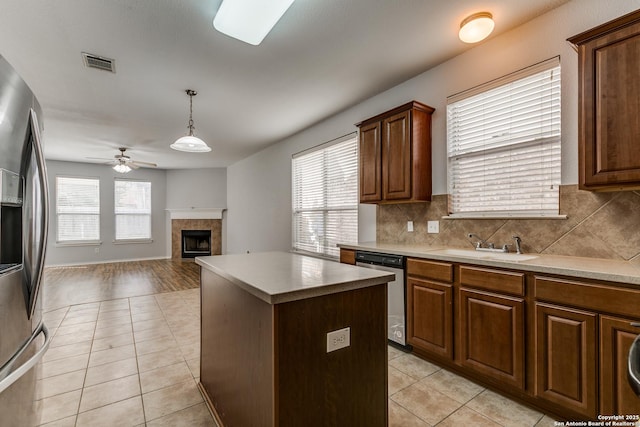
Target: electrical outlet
[433,226]
[410,226]
[338,339]
[96,250]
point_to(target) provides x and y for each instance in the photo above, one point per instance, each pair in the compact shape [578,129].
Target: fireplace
[196,219]
[196,243]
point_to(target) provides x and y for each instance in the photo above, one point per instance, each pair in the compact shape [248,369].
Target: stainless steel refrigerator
[23,231]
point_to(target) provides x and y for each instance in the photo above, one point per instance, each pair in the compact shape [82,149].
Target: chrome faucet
[518,241]
[490,247]
[480,241]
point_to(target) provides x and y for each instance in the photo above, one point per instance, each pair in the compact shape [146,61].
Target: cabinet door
[492,335]
[430,316]
[396,157]
[616,396]
[609,148]
[370,163]
[566,358]
[347,256]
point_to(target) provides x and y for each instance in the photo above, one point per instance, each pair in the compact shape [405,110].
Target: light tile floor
[422,394]
[135,361]
[132,361]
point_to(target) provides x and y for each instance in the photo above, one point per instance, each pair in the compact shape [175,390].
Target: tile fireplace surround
[209,219]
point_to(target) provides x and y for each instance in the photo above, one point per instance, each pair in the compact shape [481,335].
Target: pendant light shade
[191,143]
[476,27]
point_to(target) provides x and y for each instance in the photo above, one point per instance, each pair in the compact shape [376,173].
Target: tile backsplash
[598,225]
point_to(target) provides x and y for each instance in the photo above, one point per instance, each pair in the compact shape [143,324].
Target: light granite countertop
[584,268]
[278,277]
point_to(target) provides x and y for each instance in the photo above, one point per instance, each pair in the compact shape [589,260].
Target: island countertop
[278,277]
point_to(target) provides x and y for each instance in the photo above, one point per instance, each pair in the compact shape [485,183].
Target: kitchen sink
[511,257]
[465,253]
[498,256]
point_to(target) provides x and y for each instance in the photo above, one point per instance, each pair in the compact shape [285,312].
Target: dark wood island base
[266,364]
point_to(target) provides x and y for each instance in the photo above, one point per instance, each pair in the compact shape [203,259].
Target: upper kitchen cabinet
[609,105]
[395,155]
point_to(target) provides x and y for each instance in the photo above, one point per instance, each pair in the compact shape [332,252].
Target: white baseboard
[109,261]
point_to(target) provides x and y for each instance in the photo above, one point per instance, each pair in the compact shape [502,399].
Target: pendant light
[191,143]
[476,27]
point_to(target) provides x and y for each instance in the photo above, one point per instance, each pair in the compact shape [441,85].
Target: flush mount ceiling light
[249,20]
[476,27]
[191,143]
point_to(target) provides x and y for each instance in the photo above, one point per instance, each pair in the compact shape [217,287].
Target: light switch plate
[433,226]
[410,226]
[338,339]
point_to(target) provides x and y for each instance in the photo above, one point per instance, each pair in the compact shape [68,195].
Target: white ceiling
[321,58]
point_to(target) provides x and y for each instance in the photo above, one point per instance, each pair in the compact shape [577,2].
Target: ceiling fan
[123,163]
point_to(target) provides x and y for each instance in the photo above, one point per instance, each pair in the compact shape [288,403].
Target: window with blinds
[77,209]
[503,142]
[132,209]
[325,197]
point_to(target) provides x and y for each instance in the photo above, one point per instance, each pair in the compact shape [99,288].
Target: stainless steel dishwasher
[396,305]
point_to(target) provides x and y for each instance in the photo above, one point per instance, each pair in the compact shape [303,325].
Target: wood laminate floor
[71,285]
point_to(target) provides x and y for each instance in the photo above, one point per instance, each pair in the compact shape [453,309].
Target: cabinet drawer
[440,271]
[504,282]
[601,298]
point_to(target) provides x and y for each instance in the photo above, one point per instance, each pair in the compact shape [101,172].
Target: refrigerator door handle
[44,218]
[7,375]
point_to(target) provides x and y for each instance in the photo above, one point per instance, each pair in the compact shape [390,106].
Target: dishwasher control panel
[376,258]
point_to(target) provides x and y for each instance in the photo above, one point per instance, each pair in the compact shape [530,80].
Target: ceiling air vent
[99,62]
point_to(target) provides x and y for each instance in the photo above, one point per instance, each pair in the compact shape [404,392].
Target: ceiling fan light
[476,27]
[191,144]
[121,168]
[249,20]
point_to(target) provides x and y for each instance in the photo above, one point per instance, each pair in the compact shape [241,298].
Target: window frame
[149,239]
[77,242]
[551,142]
[326,249]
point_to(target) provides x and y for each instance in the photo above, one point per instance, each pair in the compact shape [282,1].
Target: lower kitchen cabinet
[491,335]
[430,307]
[430,319]
[555,342]
[347,256]
[616,396]
[566,351]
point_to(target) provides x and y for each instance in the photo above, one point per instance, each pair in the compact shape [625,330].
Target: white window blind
[325,197]
[132,209]
[77,209]
[503,143]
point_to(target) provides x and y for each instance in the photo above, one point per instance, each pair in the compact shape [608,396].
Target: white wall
[259,187]
[171,189]
[197,188]
[107,251]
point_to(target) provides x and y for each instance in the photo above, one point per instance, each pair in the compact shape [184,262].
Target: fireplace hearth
[196,243]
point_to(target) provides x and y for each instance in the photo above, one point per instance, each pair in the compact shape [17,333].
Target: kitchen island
[266,356]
